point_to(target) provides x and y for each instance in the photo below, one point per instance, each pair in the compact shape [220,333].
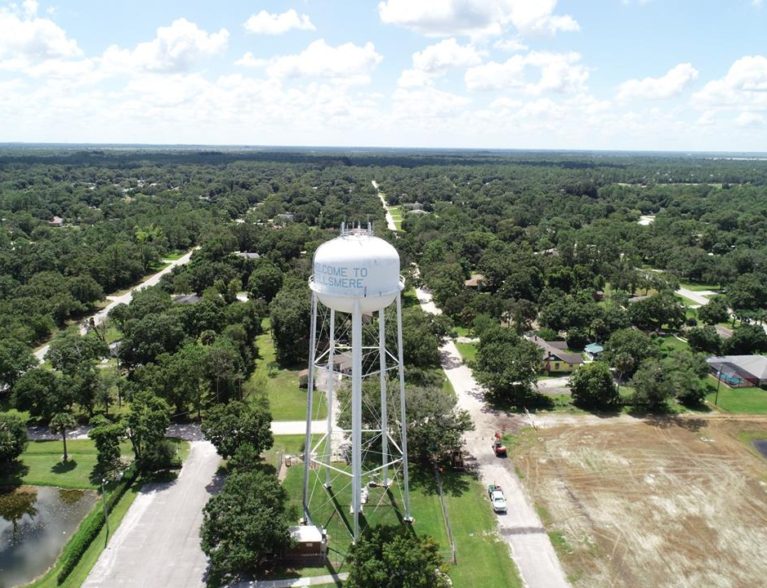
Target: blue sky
[597,74]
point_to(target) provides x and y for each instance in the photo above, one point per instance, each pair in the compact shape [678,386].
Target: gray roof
[756,365]
[550,350]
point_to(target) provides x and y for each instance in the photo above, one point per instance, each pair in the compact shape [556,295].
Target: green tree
[71,352]
[508,365]
[146,424]
[13,437]
[230,426]
[394,557]
[290,312]
[652,386]
[592,386]
[686,372]
[656,311]
[265,280]
[107,436]
[15,359]
[704,338]
[61,423]
[746,340]
[714,312]
[40,392]
[627,348]
[244,526]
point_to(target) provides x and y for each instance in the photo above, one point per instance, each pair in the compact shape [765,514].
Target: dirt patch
[653,504]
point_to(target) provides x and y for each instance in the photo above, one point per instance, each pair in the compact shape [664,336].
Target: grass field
[699,287]
[468,351]
[286,400]
[396,215]
[671,343]
[738,400]
[42,465]
[483,559]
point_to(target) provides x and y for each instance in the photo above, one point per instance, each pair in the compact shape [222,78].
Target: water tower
[355,276]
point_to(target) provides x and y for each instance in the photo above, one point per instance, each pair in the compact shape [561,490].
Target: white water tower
[356,275]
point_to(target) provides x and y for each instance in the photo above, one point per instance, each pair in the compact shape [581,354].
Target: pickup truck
[497,499]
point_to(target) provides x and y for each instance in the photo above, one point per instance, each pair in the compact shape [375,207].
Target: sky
[672,75]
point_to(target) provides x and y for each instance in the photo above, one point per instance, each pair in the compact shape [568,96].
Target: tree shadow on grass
[64,466]
[532,403]
[453,483]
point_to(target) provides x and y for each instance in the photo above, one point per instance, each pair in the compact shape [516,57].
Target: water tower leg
[309,408]
[331,385]
[356,416]
[384,401]
[403,414]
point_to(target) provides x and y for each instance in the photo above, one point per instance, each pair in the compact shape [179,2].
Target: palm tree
[60,423]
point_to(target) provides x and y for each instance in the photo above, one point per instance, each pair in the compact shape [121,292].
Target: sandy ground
[158,541]
[389,219]
[125,298]
[667,502]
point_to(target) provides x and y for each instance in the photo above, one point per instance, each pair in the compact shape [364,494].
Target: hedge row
[91,526]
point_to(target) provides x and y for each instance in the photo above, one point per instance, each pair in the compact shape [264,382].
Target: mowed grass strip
[287,401]
[468,351]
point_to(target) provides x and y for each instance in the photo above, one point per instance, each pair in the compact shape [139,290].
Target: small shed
[593,351]
[475,281]
[310,544]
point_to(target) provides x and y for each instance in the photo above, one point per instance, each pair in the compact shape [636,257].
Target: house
[739,371]
[475,281]
[56,221]
[186,298]
[593,351]
[247,254]
[554,356]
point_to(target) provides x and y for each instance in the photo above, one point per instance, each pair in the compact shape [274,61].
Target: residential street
[125,298]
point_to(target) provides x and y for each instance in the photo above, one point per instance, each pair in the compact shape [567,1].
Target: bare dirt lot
[673,502]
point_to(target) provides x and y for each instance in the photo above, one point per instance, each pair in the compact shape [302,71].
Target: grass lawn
[738,400]
[686,301]
[671,343]
[396,215]
[462,331]
[286,400]
[468,351]
[42,465]
[483,558]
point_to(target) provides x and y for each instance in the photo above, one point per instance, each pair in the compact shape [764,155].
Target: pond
[761,446]
[35,523]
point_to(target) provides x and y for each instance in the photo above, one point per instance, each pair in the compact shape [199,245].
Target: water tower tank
[356,266]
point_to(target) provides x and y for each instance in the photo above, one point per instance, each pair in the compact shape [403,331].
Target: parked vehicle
[497,499]
[499,447]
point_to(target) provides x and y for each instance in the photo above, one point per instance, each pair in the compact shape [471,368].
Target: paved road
[521,528]
[157,544]
[125,298]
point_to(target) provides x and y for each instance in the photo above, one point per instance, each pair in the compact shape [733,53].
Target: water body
[35,523]
[761,446]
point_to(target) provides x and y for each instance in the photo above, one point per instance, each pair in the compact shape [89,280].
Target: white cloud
[510,45]
[475,18]
[556,72]
[250,60]
[176,48]
[435,60]
[347,61]
[445,54]
[750,119]
[744,85]
[26,39]
[419,104]
[670,84]
[267,23]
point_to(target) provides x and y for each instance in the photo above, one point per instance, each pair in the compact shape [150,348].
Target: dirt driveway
[661,503]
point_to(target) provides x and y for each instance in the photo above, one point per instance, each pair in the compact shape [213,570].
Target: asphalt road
[158,544]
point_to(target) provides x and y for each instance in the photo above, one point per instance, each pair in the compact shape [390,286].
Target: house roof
[756,365]
[550,350]
[305,534]
[474,281]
